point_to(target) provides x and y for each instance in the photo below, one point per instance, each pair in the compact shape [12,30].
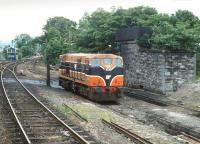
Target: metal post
[48,72]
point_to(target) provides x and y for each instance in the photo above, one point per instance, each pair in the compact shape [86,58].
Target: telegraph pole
[48,71]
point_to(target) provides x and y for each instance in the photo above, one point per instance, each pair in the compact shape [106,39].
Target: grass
[198,77]
[87,111]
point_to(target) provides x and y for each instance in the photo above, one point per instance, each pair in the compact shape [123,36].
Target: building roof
[132,33]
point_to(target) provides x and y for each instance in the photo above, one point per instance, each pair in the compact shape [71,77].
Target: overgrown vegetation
[96,32]
[26,45]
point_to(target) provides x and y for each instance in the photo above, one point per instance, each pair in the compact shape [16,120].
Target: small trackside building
[11,54]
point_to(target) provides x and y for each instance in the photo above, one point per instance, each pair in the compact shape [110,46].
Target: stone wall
[156,71]
[180,68]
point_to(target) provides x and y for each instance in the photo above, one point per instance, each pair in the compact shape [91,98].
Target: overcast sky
[29,16]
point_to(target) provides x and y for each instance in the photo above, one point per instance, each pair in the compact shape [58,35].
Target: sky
[29,16]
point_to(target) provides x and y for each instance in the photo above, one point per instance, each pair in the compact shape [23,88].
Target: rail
[136,138]
[190,137]
[12,109]
[76,114]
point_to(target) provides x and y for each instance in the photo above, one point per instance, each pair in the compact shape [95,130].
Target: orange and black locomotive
[97,76]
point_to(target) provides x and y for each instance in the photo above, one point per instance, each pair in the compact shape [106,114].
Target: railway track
[36,122]
[150,98]
[178,129]
[182,132]
[9,129]
[188,134]
[75,113]
[189,138]
[140,95]
[134,137]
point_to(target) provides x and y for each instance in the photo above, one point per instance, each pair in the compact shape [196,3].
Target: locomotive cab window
[107,61]
[118,62]
[95,62]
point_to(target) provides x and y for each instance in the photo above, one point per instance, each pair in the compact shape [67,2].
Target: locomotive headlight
[108,76]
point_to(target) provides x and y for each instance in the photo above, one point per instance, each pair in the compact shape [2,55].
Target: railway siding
[134,137]
[177,121]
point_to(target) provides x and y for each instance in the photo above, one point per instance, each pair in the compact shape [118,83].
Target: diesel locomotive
[96,76]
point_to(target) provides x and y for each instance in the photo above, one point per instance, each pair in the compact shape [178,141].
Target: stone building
[160,72]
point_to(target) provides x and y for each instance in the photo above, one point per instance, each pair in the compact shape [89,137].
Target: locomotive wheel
[91,96]
[67,87]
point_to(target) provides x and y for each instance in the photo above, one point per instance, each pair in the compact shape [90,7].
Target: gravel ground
[35,71]
[149,113]
[94,112]
[188,96]
[58,97]
[136,111]
[139,109]
[4,139]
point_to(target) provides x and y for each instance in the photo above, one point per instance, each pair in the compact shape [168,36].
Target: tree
[58,38]
[25,46]
[5,51]
[97,31]
[179,32]
[176,32]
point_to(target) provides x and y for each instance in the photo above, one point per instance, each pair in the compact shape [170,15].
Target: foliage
[96,32]
[25,45]
[5,55]
[198,62]
[176,32]
[179,31]
[59,37]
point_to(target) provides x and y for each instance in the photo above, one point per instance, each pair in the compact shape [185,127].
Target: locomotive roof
[86,55]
